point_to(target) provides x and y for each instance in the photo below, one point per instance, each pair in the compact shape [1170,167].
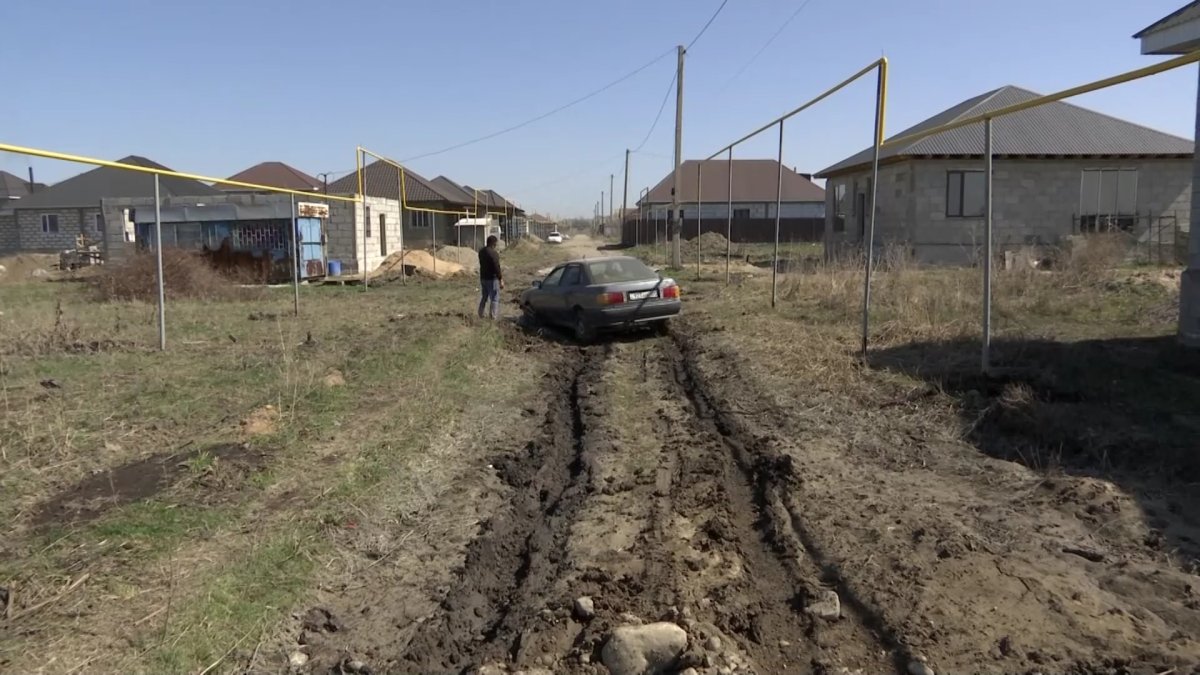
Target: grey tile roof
[88,188]
[1183,14]
[381,179]
[15,186]
[454,192]
[493,200]
[754,180]
[1052,130]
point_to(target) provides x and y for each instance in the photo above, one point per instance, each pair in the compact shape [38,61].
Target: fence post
[158,247]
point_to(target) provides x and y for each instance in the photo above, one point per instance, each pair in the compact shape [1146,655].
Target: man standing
[490,279]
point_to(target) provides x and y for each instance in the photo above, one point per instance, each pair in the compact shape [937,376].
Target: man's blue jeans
[489,295]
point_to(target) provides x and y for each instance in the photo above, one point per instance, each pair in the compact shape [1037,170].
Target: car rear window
[616,271]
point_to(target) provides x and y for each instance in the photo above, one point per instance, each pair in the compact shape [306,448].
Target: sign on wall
[312,210]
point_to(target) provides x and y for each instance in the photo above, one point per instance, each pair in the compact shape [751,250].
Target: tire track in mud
[511,565]
[737,480]
[717,554]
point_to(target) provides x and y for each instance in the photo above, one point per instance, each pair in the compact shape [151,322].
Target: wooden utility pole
[611,198]
[673,216]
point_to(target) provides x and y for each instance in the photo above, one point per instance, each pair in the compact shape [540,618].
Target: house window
[422,219]
[1107,200]
[964,194]
[741,214]
[98,223]
[50,223]
[839,199]
[367,221]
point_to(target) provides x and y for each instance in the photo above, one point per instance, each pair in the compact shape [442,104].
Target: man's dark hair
[491,240]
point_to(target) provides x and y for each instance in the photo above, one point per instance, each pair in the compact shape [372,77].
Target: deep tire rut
[716,552]
[510,567]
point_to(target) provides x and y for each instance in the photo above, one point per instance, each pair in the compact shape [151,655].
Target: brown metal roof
[381,179]
[274,174]
[1052,130]
[754,180]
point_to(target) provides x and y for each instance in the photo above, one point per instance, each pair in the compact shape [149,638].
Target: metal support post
[699,171]
[158,246]
[987,246]
[869,243]
[296,257]
[729,216]
[778,203]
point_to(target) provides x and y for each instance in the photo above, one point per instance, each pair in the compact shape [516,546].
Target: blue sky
[214,87]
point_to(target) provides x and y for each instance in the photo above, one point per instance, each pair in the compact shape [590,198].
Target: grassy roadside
[205,563]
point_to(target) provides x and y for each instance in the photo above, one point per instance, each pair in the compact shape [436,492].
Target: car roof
[600,259]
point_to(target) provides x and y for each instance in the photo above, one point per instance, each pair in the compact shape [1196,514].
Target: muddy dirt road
[638,495]
[659,486]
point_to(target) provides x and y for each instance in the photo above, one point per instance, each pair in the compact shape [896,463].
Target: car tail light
[611,298]
[671,292]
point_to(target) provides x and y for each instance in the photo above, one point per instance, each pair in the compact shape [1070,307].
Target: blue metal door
[312,247]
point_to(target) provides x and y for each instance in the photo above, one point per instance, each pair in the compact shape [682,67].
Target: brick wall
[345,233]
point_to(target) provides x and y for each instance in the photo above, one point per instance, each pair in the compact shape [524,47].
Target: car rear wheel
[584,333]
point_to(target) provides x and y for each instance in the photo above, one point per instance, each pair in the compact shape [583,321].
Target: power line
[766,44]
[710,20]
[666,97]
[543,116]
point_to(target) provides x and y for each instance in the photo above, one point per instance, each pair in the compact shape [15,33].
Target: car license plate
[642,295]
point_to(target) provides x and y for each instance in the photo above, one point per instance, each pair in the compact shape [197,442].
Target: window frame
[962,193]
[45,223]
[743,214]
[366,220]
[98,222]
[560,271]
[578,279]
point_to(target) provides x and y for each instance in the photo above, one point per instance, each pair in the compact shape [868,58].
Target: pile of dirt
[416,262]
[26,267]
[466,257]
[711,242]
[186,275]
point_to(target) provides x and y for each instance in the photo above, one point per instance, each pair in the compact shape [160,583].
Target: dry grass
[186,275]
[68,414]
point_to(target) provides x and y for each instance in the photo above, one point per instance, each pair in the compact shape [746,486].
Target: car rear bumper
[633,313]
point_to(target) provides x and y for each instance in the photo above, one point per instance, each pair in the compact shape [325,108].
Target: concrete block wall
[345,233]
[71,223]
[1033,203]
[10,241]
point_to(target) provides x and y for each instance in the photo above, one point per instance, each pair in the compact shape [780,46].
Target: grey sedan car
[602,294]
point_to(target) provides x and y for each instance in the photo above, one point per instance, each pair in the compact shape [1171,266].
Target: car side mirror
[536,284]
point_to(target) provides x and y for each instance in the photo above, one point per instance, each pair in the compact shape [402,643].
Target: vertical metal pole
[778,203]
[611,198]
[433,245]
[676,228]
[400,194]
[699,171]
[158,246]
[295,240]
[729,216]
[987,245]
[869,244]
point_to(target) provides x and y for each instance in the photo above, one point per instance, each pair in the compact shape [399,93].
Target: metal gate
[312,247]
